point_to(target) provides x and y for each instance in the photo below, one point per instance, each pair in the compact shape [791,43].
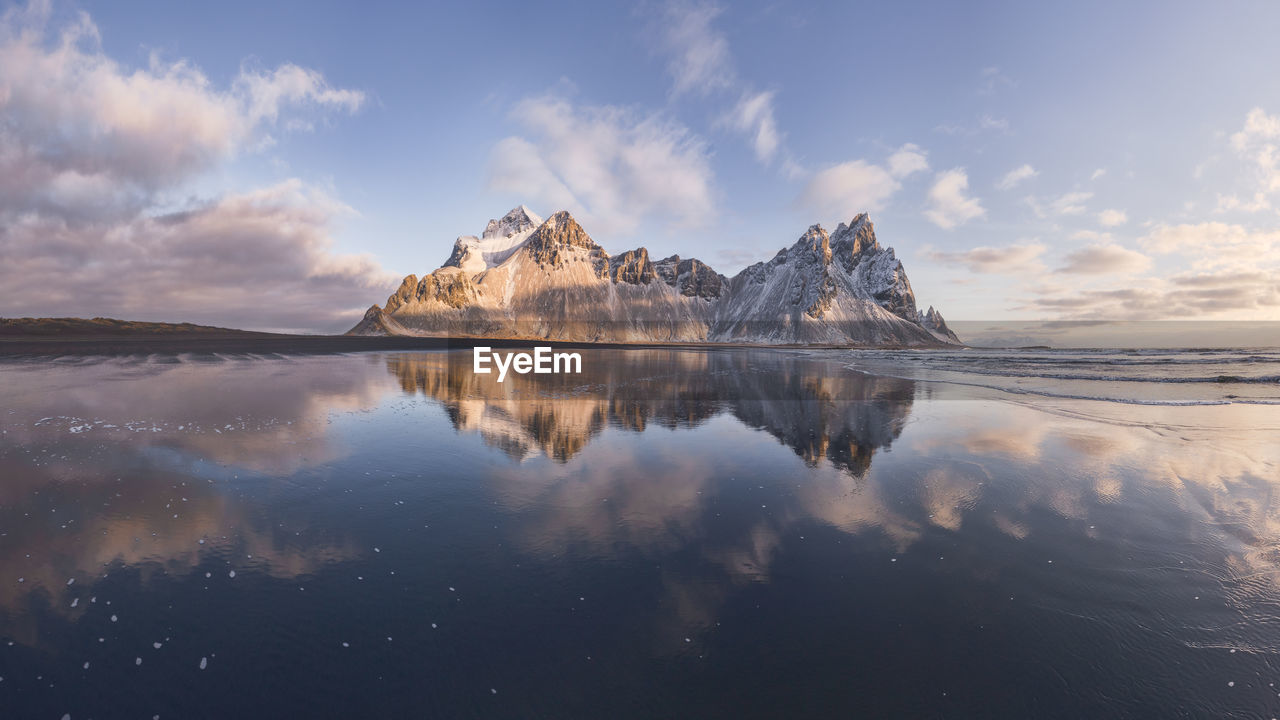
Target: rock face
[529,278]
[933,322]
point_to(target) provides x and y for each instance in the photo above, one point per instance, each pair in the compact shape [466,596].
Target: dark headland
[107,336]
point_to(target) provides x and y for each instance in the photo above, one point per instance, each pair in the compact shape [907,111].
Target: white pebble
[156,645]
[114,618]
[204,663]
[137,661]
[231,574]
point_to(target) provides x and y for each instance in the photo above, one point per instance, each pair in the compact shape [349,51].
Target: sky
[280,166]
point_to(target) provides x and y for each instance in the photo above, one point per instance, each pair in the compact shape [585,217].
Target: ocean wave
[1040,392]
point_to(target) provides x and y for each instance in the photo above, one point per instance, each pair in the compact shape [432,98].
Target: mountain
[529,278]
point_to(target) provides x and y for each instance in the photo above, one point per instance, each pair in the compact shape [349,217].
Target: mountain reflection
[815,406]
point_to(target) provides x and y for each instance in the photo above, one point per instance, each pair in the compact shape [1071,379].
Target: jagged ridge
[530,278]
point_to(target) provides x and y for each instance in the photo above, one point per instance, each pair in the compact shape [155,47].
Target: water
[1202,377]
[738,533]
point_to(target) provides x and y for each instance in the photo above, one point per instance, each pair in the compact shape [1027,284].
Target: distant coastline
[107,336]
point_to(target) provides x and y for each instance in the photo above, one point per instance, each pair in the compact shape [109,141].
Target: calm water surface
[670,534]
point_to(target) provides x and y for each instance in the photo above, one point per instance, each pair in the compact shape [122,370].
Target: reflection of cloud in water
[268,415]
[970,462]
[602,492]
[121,462]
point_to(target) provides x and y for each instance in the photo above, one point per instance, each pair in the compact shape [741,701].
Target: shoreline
[41,346]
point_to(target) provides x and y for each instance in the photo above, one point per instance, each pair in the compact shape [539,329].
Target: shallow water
[742,533]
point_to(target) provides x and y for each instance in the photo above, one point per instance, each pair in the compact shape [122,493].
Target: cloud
[1071,203]
[1104,258]
[91,150]
[992,80]
[612,167]
[262,259]
[1258,203]
[849,188]
[949,203]
[76,118]
[1098,173]
[907,160]
[1112,218]
[1219,296]
[1016,176]
[700,63]
[988,122]
[1231,274]
[1019,259]
[698,55]
[1215,244]
[1258,142]
[753,115]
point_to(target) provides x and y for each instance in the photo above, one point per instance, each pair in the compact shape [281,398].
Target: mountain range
[526,277]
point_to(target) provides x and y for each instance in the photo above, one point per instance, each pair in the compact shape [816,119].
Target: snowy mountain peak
[853,239]
[518,220]
[815,243]
[549,279]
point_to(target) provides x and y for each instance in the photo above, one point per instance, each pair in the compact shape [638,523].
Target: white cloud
[849,188]
[1216,244]
[1112,218]
[1016,176]
[611,167]
[753,116]
[1258,203]
[1104,258]
[992,80]
[1071,203]
[907,160]
[1022,259]
[262,259]
[1098,173]
[949,202]
[90,151]
[1258,142]
[699,62]
[698,54]
[988,122]
[74,115]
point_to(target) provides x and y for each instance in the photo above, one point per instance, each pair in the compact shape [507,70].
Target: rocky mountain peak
[853,239]
[815,243]
[555,238]
[933,322]
[632,267]
[519,219]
